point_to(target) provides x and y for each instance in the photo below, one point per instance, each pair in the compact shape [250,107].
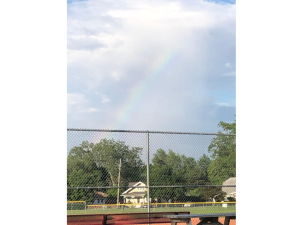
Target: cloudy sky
[151,64]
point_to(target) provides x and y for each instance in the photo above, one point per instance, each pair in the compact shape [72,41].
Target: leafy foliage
[95,165]
[107,153]
[223,149]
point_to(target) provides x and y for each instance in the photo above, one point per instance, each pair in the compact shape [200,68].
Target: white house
[230,191]
[136,194]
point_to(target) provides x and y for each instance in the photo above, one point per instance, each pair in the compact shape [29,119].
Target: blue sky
[151,64]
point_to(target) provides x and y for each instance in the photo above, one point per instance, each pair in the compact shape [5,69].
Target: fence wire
[108,170]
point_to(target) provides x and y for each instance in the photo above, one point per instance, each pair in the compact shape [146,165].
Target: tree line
[97,165]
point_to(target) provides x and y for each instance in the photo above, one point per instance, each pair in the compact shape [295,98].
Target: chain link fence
[116,171]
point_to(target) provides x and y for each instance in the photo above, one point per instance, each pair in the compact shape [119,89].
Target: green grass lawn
[193,210]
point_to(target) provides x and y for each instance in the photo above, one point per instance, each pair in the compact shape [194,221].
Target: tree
[204,163]
[170,168]
[228,127]
[166,169]
[201,179]
[190,171]
[112,196]
[108,152]
[94,165]
[208,193]
[223,150]
[82,171]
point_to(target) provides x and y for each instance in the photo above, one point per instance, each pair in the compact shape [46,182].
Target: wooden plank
[201,215]
[121,218]
[93,219]
[152,216]
[140,218]
[205,219]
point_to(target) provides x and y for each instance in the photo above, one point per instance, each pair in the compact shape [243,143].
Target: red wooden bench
[205,219]
[122,218]
[91,219]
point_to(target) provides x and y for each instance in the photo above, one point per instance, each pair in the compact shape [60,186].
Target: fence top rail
[146,131]
[161,186]
[164,203]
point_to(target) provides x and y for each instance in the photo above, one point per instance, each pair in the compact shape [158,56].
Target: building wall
[98,201]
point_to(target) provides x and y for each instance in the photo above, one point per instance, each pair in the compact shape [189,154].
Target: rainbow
[139,91]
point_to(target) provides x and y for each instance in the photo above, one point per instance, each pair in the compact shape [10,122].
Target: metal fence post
[148,174]
[148,178]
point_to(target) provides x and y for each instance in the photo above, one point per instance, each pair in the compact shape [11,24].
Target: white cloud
[78,104]
[229,74]
[223,104]
[104,99]
[116,76]
[85,43]
[228,65]
[76,99]
[90,110]
[136,33]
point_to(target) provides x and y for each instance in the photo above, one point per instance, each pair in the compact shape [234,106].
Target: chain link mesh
[107,171]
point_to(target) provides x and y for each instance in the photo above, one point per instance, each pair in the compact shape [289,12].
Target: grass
[193,210]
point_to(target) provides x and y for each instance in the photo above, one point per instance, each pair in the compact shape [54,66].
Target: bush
[231,199]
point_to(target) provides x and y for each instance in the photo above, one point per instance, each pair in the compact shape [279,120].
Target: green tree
[223,153]
[229,128]
[170,168]
[108,152]
[190,171]
[204,163]
[202,179]
[112,196]
[208,193]
[82,171]
[94,165]
[166,169]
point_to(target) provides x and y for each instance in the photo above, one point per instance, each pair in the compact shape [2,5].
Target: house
[230,191]
[136,194]
[99,198]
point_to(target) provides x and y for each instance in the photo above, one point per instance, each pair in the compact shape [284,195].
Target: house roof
[230,181]
[134,194]
[135,185]
[131,184]
[101,193]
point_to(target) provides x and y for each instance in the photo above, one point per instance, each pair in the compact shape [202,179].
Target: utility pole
[119,182]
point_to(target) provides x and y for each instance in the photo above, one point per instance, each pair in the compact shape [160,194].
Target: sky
[151,64]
